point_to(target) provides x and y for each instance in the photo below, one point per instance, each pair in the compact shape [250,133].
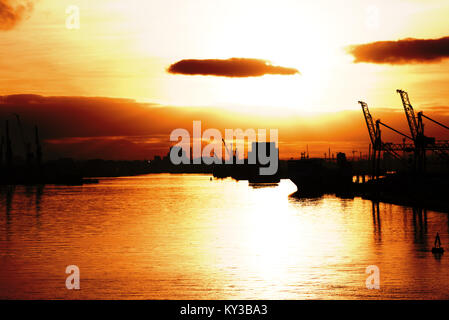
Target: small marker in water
[437,245]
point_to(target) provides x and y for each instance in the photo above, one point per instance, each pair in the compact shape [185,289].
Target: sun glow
[291,40]
[123,50]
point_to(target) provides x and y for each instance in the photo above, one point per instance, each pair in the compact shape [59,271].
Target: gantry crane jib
[393,129]
[226,147]
[375,135]
[433,120]
[416,124]
[369,122]
[409,113]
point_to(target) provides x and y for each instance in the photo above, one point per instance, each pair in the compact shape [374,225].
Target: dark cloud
[12,12]
[406,51]
[234,67]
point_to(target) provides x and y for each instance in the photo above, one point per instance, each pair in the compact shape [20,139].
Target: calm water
[186,237]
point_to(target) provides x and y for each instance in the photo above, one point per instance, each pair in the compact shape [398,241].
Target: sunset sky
[124,49]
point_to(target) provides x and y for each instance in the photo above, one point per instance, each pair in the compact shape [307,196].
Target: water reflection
[420,227]
[377,226]
[32,194]
[28,197]
[38,199]
[187,237]
[8,194]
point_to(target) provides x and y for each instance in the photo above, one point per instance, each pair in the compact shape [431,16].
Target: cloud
[12,12]
[233,67]
[405,51]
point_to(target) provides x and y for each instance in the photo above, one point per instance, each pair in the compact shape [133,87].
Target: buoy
[437,245]
[437,250]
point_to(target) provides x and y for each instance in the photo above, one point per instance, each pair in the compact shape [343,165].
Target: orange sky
[123,129]
[123,50]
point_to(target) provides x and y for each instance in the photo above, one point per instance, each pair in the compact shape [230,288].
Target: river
[167,236]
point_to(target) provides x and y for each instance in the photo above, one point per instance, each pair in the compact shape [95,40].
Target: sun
[292,39]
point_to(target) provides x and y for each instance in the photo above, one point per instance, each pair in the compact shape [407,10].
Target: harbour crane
[417,131]
[227,150]
[422,143]
[374,134]
[416,128]
[376,141]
